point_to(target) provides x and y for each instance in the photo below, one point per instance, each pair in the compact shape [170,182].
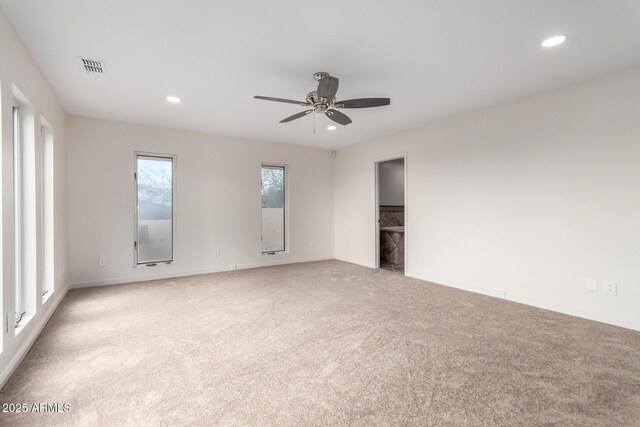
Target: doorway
[390,210]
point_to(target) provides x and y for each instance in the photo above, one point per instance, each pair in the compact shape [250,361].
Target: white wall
[525,201]
[217,200]
[19,70]
[391,182]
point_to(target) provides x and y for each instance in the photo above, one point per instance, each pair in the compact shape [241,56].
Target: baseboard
[576,311]
[146,278]
[282,262]
[31,339]
[496,293]
[361,264]
[187,273]
[539,303]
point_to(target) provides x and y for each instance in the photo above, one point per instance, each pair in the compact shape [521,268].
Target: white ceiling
[434,59]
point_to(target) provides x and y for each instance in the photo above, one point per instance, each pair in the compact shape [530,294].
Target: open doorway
[390,208]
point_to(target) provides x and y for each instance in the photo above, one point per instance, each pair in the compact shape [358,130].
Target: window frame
[47,209]
[285,215]
[25,209]
[17,147]
[173,159]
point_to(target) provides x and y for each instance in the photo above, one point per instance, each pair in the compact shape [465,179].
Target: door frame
[376,207]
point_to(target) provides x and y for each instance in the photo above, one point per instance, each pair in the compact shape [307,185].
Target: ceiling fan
[323,101]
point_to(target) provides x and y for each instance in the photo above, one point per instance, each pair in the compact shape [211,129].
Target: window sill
[25,321]
[275,253]
[46,297]
[154,264]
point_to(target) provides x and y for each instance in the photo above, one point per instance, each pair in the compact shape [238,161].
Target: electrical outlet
[415,258]
[233,267]
[312,244]
[216,252]
[592,285]
[609,287]
[102,261]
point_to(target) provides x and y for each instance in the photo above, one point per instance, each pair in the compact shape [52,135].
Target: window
[25,220]
[17,215]
[154,209]
[273,209]
[47,212]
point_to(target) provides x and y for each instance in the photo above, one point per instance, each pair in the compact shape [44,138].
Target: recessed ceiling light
[331,127]
[173,99]
[554,41]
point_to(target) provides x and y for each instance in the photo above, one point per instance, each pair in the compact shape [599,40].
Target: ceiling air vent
[93,65]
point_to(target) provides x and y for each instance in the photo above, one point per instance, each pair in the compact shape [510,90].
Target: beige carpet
[325,343]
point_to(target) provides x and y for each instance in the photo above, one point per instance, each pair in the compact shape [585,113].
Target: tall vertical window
[25,203]
[273,209]
[154,209]
[47,212]
[17,215]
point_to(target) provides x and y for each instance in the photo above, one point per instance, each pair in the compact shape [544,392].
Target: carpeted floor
[392,267]
[325,343]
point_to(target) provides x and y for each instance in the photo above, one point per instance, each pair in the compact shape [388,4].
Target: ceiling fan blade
[296,116]
[363,103]
[338,117]
[288,101]
[327,88]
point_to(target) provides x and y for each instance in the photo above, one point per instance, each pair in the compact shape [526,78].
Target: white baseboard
[149,277]
[496,293]
[31,338]
[539,303]
[362,264]
[576,311]
[276,261]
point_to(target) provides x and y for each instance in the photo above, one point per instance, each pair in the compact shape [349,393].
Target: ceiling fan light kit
[323,101]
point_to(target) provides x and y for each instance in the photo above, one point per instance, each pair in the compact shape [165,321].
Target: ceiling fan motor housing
[318,105]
